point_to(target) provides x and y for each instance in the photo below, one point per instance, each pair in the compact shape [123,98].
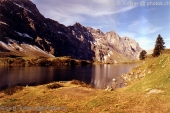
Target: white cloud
[70,11]
[143,26]
[113,11]
[148,43]
[167,39]
[145,43]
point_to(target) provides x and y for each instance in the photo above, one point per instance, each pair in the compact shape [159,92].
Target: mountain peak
[21,22]
[77,24]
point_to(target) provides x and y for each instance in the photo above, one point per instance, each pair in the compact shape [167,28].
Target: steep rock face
[21,22]
[109,45]
[130,47]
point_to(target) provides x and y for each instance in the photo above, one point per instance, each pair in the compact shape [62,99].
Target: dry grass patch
[54,86]
[81,83]
[86,100]
[12,90]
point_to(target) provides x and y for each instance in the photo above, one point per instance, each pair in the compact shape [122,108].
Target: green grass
[158,78]
[130,99]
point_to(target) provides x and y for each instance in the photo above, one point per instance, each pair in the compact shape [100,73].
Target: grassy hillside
[147,92]
[152,79]
[156,74]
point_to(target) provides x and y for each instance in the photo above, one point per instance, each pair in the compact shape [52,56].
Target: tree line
[159,46]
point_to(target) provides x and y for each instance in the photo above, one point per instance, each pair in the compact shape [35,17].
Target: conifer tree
[159,46]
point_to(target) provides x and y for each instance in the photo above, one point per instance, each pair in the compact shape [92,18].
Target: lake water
[99,75]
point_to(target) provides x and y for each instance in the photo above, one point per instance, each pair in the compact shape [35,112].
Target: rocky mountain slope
[25,31]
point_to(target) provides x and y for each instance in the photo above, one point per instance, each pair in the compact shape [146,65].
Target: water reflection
[98,75]
[109,75]
[13,76]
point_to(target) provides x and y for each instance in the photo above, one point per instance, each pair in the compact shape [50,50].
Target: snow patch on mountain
[24,35]
[1,22]
[22,7]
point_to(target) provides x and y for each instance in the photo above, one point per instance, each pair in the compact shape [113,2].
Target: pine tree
[159,46]
[142,55]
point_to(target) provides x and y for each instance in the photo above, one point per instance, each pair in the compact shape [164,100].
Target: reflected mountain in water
[109,75]
[100,76]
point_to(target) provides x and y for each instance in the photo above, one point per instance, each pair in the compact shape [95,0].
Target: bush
[12,90]
[73,63]
[44,62]
[54,86]
[142,55]
[19,61]
[57,62]
[84,63]
[81,83]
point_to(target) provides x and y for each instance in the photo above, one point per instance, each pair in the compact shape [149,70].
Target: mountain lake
[100,76]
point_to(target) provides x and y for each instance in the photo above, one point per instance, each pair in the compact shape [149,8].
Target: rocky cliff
[25,31]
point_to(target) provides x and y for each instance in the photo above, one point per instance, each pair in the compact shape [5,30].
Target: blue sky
[142,21]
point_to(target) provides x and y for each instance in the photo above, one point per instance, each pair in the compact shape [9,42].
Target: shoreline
[56,61]
[147,94]
[42,61]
